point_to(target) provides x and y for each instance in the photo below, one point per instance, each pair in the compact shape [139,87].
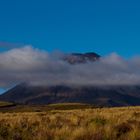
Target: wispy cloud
[10,45]
[39,67]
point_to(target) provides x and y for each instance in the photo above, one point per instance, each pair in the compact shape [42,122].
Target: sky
[102,26]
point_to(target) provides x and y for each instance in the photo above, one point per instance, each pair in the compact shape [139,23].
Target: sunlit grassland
[80,124]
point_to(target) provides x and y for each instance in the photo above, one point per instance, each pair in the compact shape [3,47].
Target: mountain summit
[75,58]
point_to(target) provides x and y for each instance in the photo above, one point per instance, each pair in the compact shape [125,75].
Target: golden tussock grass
[81,124]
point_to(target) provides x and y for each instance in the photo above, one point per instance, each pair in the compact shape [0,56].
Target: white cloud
[35,66]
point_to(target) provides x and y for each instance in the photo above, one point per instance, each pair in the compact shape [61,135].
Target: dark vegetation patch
[11,107]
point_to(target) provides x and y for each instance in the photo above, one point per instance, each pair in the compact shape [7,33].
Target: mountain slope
[97,95]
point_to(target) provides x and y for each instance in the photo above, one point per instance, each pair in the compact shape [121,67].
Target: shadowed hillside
[99,96]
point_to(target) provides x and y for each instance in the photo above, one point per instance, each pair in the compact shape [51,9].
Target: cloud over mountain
[39,67]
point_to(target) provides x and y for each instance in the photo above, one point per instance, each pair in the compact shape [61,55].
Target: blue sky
[1,90]
[103,26]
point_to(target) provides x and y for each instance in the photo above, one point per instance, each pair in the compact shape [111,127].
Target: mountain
[96,95]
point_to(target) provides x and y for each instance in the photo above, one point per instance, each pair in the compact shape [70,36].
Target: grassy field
[72,124]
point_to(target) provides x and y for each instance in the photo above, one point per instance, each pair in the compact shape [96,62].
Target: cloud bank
[39,67]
